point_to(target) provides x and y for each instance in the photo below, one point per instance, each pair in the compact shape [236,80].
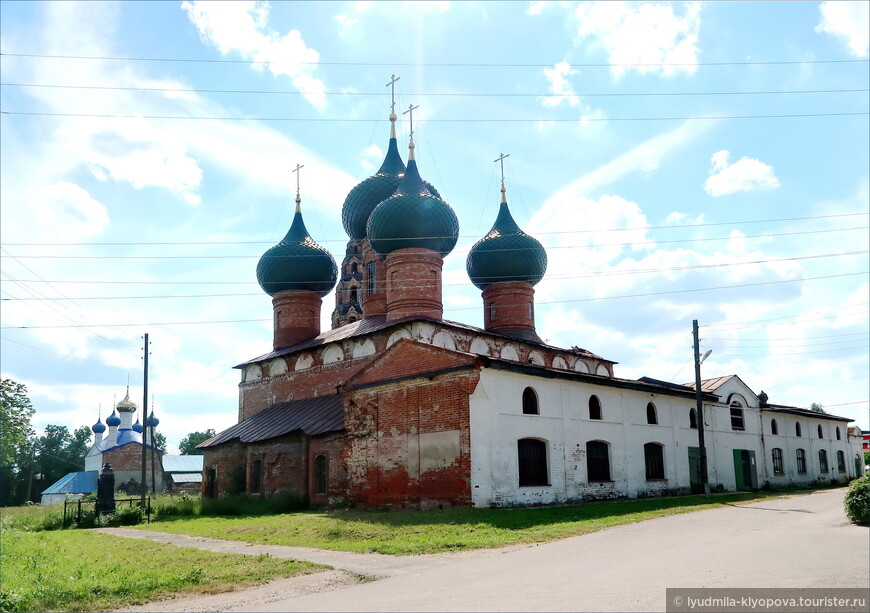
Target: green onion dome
[297,263]
[506,253]
[413,217]
[368,194]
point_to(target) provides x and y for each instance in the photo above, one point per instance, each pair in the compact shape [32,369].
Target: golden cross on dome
[298,199]
[392,86]
[500,160]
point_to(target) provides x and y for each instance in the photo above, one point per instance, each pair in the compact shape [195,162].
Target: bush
[168,506]
[857,501]
[242,504]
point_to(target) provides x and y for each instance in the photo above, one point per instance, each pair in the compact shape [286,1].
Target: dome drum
[413,284]
[296,317]
[509,309]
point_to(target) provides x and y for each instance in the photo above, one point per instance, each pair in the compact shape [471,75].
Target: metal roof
[186,477]
[310,416]
[375,323]
[781,408]
[182,463]
[84,482]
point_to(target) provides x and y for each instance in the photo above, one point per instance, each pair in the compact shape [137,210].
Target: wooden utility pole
[144,482]
[699,408]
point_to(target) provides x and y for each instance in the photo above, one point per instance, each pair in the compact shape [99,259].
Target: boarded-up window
[777,461]
[597,461]
[321,474]
[654,458]
[532,460]
[594,407]
[530,402]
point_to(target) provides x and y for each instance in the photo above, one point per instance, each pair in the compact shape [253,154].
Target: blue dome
[128,436]
[506,253]
[413,217]
[113,420]
[152,421]
[98,428]
[297,263]
[137,427]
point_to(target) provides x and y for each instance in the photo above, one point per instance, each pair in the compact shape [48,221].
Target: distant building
[118,443]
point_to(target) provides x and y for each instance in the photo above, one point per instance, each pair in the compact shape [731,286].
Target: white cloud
[645,157]
[67,209]
[372,157]
[560,86]
[647,35]
[848,21]
[744,175]
[241,27]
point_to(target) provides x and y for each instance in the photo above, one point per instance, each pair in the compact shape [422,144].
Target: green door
[695,470]
[744,469]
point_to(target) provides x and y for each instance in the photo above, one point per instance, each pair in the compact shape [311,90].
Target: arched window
[353,268]
[654,458]
[737,416]
[693,419]
[371,273]
[532,462]
[321,474]
[841,461]
[493,313]
[774,429]
[651,417]
[797,428]
[823,460]
[801,459]
[838,433]
[777,461]
[819,429]
[353,296]
[597,461]
[594,407]
[530,402]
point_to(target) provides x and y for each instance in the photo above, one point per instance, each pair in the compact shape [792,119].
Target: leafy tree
[188,444]
[817,408]
[15,413]
[159,440]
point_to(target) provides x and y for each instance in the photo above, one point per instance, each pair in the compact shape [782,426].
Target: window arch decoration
[530,402]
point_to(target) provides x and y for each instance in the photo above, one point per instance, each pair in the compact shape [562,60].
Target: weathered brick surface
[296,317]
[409,442]
[414,284]
[509,307]
[376,303]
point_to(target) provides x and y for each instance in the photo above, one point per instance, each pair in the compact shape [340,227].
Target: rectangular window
[371,273]
[823,460]
[492,312]
[801,462]
[654,458]
[532,459]
[256,476]
[737,418]
[211,483]
[597,461]
[777,461]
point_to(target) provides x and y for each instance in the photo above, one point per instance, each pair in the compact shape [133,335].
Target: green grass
[32,517]
[77,570]
[416,532]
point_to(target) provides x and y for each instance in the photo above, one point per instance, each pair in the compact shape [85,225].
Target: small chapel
[395,406]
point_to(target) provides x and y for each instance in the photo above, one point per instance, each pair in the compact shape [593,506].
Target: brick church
[397,407]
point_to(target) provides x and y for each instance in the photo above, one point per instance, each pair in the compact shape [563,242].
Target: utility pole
[144,483]
[699,408]
[153,445]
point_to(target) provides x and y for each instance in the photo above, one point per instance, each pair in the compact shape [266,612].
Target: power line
[429,64]
[438,120]
[623,244]
[63,355]
[436,94]
[641,295]
[595,230]
[755,323]
[780,338]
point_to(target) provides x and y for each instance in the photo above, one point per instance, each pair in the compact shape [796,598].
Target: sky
[679,161]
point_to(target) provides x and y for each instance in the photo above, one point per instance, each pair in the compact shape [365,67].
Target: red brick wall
[129,458]
[409,441]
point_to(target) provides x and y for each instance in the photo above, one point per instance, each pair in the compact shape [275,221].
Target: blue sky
[679,161]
